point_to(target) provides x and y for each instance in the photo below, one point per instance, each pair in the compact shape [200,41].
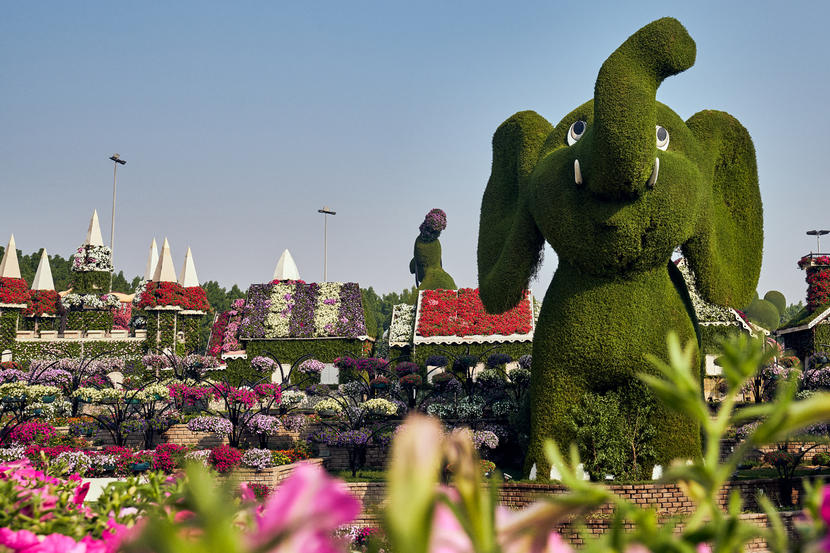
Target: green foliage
[239,372]
[612,298]
[89,320]
[713,335]
[822,459]
[371,309]
[90,282]
[161,327]
[777,299]
[8,328]
[190,325]
[613,432]
[288,351]
[763,313]
[125,349]
[793,313]
[428,268]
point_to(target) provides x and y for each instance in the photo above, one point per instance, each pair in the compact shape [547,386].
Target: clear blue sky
[239,120]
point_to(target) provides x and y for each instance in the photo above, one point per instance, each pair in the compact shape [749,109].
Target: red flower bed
[224,458]
[14,290]
[461,313]
[818,287]
[42,302]
[165,457]
[164,294]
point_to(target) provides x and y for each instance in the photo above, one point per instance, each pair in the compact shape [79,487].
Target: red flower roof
[460,313]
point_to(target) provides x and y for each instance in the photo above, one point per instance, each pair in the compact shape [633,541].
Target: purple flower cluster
[350,319]
[263,424]
[262,363]
[255,311]
[294,423]
[311,366]
[434,222]
[344,438]
[258,459]
[485,438]
[11,375]
[301,324]
[215,425]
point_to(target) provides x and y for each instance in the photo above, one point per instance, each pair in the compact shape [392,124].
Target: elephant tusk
[577,172]
[652,180]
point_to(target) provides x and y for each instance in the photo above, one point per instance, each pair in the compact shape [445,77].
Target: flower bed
[461,313]
[42,302]
[172,294]
[14,290]
[294,309]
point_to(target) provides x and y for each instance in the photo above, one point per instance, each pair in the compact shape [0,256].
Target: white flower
[380,407]
[403,322]
[328,404]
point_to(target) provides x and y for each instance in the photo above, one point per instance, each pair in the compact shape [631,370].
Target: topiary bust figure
[614,188]
[426,263]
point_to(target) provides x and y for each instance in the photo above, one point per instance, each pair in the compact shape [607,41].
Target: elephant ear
[509,242]
[726,249]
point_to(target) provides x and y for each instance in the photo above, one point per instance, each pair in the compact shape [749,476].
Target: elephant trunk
[625,106]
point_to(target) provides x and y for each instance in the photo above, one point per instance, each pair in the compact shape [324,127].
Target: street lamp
[116,162]
[817,234]
[326,211]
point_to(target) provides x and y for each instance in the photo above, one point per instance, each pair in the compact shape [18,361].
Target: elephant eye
[662,138]
[576,131]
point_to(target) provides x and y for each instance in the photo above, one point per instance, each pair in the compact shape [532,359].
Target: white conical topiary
[93,233]
[188,277]
[165,272]
[286,268]
[43,275]
[152,261]
[9,268]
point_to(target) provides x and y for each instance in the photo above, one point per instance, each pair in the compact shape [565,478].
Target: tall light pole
[116,162]
[817,234]
[326,211]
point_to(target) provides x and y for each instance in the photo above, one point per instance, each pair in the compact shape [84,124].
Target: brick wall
[271,477]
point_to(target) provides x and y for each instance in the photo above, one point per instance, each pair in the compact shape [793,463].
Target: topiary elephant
[615,188]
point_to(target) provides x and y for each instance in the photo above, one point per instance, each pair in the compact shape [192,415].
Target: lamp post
[116,162]
[326,211]
[817,234]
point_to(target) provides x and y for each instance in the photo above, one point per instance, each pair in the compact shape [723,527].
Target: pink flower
[17,541]
[309,506]
[80,493]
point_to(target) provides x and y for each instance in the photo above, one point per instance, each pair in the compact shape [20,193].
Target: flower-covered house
[454,322]
[288,319]
[808,331]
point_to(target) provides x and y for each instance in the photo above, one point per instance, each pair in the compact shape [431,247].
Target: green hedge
[713,335]
[288,351]
[239,372]
[190,325]
[90,282]
[513,349]
[44,323]
[161,325]
[8,328]
[89,320]
[127,349]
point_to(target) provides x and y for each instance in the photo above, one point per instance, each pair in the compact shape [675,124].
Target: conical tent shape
[152,261]
[188,278]
[43,275]
[9,267]
[165,272]
[286,268]
[93,233]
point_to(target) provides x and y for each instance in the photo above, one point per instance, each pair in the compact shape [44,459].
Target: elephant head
[622,181]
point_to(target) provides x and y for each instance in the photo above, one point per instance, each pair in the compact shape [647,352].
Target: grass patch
[362,475]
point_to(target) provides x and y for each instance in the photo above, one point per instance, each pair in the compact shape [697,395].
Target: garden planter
[48,399]
[133,401]
[140,467]
[13,399]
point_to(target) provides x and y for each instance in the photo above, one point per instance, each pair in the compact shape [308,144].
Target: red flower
[158,294]
[14,290]
[461,313]
[42,302]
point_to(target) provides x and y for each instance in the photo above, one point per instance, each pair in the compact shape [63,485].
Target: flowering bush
[311,366]
[215,425]
[406,367]
[461,313]
[98,395]
[434,222]
[165,294]
[264,364]
[14,290]
[92,258]
[403,322]
[225,334]
[328,405]
[73,462]
[90,301]
[166,457]
[188,396]
[485,438]
[200,456]
[224,458]
[260,491]
[263,424]
[382,407]
[258,459]
[293,398]
[42,302]
[31,432]
[121,316]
